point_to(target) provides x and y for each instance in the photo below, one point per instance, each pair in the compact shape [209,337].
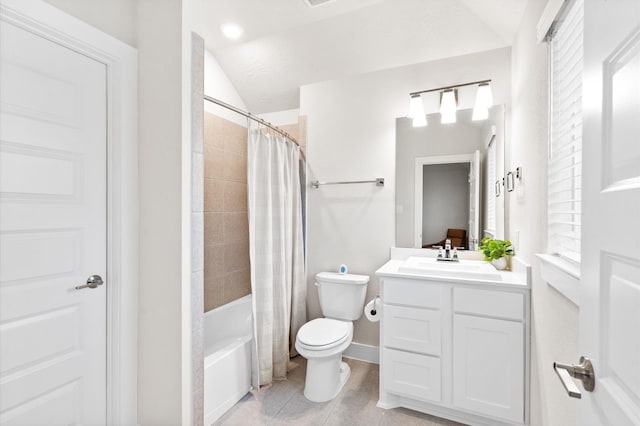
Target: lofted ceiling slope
[287,44]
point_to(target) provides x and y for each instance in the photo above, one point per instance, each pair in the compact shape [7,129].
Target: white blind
[490,188]
[564,185]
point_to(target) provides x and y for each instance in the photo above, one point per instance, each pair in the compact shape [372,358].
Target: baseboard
[362,352]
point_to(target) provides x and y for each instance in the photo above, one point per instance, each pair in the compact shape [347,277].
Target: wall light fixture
[484,101]
[449,103]
[416,111]
[448,106]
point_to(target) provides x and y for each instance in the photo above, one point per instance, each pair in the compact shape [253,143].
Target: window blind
[564,183]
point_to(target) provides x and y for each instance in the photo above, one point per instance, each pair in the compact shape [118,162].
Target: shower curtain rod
[250,116]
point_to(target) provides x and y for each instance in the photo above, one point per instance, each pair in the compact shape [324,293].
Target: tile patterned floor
[283,403]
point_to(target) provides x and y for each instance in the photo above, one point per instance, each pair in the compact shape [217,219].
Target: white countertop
[519,276]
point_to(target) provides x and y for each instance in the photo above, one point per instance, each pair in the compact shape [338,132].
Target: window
[564,179]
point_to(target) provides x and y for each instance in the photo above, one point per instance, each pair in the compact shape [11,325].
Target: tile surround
[226,224]
[213,229]
[197,229]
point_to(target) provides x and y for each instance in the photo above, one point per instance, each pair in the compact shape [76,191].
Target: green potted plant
[495,251]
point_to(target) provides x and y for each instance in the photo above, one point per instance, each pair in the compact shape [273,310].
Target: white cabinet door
[488,366]
[412,375]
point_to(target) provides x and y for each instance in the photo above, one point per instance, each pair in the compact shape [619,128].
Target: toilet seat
[324,333]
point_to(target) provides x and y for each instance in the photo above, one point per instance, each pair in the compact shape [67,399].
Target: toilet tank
[342,295]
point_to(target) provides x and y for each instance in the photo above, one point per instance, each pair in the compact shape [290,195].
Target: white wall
[161,133]
[114,17]
[218,85]
[351,135]
[445,200]
[155,28]
[279,118]
[555,319]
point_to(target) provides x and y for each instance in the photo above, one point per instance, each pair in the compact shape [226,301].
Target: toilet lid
[323,331]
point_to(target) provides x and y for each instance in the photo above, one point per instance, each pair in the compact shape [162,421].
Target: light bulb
[232,31]
[484,97]
[415,106]
[416,111]
[419,121]
[448,106]
[480,113]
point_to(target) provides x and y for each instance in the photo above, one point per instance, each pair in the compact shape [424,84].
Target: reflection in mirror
[443,188]
[447,197]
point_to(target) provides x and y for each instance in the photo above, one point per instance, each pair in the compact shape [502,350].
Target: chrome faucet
[449,254]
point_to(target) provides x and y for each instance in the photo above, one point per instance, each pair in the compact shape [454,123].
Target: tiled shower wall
[226,226]
[226,223]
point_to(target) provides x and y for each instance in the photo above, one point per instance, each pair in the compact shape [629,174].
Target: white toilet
[323,340]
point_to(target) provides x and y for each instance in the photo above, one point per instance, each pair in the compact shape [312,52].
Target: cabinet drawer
[412,329]
[492,303]
[412,293]
[412,375]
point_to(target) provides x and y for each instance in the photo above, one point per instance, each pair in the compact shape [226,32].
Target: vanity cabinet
[488,366]
[455,350]
[411,374]
[411,330]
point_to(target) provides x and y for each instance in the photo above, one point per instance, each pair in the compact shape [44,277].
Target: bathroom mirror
[458,168]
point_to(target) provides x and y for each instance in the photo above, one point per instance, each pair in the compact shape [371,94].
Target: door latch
[583,372]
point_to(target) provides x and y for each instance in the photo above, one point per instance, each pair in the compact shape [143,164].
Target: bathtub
[227,357]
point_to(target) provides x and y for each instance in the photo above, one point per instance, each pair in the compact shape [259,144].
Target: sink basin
[469,269]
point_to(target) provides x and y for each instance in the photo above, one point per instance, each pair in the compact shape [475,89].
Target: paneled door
[610,275]
[53,207]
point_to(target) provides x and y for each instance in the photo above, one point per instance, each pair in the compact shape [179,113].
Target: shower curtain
[275,249]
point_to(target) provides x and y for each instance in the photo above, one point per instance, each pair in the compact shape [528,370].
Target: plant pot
[500,263]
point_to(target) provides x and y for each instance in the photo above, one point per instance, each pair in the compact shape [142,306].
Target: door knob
[583,372]
[92,282]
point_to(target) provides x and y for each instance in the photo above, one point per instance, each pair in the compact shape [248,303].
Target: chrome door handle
[92,282]
[583,372]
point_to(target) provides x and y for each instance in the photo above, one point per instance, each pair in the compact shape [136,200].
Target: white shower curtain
[276,250]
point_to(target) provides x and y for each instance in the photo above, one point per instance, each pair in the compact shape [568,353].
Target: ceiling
[287,44]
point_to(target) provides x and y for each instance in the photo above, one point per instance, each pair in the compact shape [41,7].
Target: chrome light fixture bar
[449,102]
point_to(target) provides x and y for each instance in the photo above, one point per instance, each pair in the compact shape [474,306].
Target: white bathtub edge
[211,417]
[228,345]
[223,348]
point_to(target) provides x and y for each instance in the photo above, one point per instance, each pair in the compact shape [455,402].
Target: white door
[53,232]
[474,201]
[610,275]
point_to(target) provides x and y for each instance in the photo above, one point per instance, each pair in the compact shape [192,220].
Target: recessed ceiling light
[232,31]
[314,3]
